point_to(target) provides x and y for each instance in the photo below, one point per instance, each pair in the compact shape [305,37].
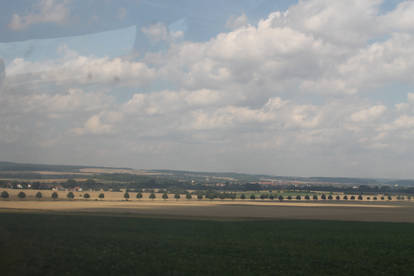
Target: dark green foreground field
[46,244]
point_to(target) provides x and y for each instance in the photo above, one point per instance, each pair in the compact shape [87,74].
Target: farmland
[47,177]
[82,221]
[51,244]
[115,204]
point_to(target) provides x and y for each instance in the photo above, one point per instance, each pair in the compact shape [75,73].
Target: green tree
[242,196]
[280,198]
[330,197]
[199,196]
[289,197]
[86,196]
[188,196]
[298,197]
[4,194]
[253,196]
[177,196]
[271,197]
[307,197]
[126,195]
[323,197]
[164,196]
[101,196]
[352,197]
[152,196]
[345,197]
[263,196]
[360,197]
[338,197]
[315,197]
[55,195]
[222,196]
[139,195]
[211,195]
[71,183]
[389,198]
[21,195]
[38,195]
[70,195]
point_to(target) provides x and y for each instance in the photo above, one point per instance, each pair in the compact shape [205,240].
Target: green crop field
[50,244]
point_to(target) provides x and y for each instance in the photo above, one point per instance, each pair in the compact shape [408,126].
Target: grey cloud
[2,72]
[44,11]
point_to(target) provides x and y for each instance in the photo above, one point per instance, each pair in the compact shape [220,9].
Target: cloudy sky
[309,88]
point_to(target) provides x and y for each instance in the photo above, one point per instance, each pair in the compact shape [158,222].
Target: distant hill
[10,166]
[223,175]
[213,176]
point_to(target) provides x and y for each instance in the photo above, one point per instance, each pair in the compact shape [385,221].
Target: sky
[300,88]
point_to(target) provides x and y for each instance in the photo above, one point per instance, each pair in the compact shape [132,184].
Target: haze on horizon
[302,88]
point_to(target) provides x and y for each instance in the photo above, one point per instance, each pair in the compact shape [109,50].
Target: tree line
[211,195]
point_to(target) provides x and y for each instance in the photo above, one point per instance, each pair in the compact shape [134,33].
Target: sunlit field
[30,194]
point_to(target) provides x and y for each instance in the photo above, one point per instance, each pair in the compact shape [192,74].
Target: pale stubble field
[115,204]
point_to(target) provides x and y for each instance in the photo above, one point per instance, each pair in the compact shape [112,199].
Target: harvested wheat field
[206,209]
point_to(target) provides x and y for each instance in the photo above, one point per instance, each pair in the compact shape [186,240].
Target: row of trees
[22,195]
[164,195]
[323,197]
[139,195]
[71,195]
[214,195]
[55,195]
